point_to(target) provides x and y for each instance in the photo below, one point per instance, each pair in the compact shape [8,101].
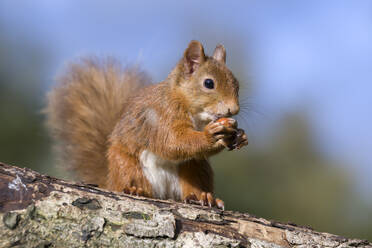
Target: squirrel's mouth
[206,116]
[218,116]
[211,117]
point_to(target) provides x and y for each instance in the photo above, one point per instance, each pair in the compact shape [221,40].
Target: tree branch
[41,211]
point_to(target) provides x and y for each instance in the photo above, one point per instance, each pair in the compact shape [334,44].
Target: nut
[225,121]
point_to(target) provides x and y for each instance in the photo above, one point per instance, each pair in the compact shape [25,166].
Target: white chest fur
[162,175]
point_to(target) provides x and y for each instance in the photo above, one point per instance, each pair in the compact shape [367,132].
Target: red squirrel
[116,130]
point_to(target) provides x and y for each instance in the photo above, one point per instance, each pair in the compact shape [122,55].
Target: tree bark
[41,211]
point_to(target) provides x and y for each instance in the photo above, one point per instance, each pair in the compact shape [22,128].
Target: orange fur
[125,171]
[83,109]
[99,109]
[196,176]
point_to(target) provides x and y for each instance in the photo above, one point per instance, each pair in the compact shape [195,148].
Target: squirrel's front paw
[221,131]
[239,140]
[205,199]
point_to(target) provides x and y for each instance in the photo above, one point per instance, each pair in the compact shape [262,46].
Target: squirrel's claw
[220,204]
[203,199]
[191,198]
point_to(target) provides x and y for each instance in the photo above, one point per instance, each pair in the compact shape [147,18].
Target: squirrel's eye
[208,83]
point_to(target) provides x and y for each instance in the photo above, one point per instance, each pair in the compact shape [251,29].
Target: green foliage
[23,139]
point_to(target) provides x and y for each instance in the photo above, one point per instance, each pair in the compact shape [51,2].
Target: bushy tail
[83,109]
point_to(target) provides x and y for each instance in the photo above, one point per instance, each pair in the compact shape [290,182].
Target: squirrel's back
[83,109]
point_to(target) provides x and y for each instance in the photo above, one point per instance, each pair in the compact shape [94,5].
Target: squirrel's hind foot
[205,199]
[134,191]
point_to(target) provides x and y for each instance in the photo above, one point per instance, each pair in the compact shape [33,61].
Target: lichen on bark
[40,211]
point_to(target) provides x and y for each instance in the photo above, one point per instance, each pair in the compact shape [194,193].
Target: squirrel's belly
[162,175]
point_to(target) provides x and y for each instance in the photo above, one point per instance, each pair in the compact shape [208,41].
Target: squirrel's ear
[194,56]
[220,53]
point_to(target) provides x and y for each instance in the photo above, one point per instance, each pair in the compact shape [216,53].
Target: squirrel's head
[209,87]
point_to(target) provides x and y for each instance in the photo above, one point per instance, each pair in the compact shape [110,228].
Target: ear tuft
[194,56]
[220,53]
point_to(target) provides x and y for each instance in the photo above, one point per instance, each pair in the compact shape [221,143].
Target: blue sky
[313,55]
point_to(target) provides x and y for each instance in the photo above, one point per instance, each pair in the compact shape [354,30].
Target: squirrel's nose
[233,110]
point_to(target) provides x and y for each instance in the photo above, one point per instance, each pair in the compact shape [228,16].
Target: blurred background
[305,69]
